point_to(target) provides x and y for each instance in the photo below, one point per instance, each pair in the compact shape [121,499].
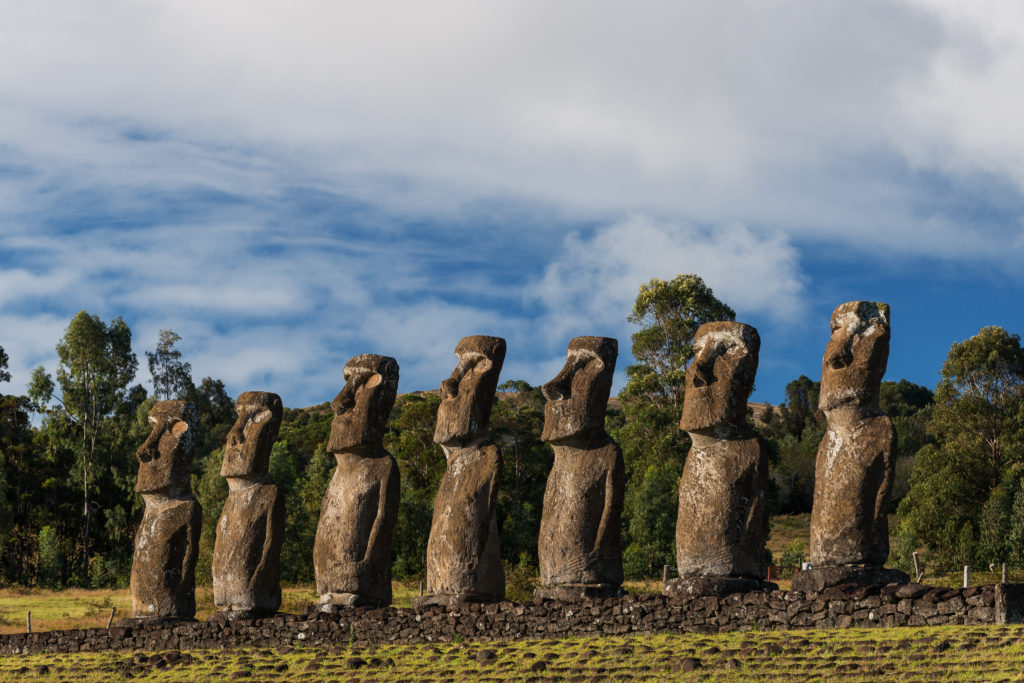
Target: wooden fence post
[1005,577]
[111,619]
[664,575]
[967,576]
[28,621]
[918,574]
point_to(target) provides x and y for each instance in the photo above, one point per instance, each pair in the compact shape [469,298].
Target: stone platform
[820,578]
[838,607]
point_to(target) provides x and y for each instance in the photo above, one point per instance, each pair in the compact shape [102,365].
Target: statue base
[454,599]
[335,602]
[233,614]
[819,578]
[717,586]
[577,592]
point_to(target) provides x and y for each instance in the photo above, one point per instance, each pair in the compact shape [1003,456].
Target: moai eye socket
[179,429]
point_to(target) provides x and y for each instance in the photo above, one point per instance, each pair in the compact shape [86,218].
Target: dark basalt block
[820,578]
[717,586]
[578,592]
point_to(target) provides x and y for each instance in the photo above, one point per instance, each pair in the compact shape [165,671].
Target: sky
[286,185]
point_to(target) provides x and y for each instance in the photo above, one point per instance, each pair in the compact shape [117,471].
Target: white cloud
[591,288]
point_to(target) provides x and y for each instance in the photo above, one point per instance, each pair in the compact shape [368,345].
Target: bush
[51,561]
[520,579]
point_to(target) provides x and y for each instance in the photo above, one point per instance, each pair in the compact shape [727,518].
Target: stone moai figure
[463,555]
[163,579]
[352,550]
[247,552]
[720,530]
[579,547]
[855,466]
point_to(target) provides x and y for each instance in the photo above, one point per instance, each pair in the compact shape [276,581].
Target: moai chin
[463,554]
[720,530]
[250,531]
[855,466]
[579,548]
[352,550]
[163,574]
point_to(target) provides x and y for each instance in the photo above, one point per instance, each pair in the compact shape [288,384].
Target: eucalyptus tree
[96,365]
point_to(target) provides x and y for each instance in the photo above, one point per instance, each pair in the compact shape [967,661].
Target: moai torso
[580,542]
[352,550]
[250,531]
[720,530]
[167,541]
[855,466]
[463,552]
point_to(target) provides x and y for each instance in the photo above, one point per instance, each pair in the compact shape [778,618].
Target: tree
[964,487]
[654,448]
[96,365]
[172,378]
[4,375]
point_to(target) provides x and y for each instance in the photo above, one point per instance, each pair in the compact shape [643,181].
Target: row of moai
[721,527]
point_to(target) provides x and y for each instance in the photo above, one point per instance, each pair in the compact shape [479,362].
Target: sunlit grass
[965,653]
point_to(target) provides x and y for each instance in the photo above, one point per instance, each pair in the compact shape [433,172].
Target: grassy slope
[912,654]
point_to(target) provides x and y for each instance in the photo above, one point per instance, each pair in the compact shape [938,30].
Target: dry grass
[910,654]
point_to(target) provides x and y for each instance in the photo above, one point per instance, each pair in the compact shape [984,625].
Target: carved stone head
[362,407]
[578,396]
[856,355]
[165,458]
[721,375]
[467,396]
[247,451]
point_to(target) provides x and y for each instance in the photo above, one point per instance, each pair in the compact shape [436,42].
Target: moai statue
[579,546]
[247,552]
[463,556]
[352,550]
[854,471]
[163,579]
[720,530]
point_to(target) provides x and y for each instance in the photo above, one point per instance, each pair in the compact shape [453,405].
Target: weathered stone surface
[1009,603]
[463,554]
[250,531]
[855,465]
[721,526]
[577,592]
[579,542]
[718,586]
[820,578]
[167,542]
[352,550]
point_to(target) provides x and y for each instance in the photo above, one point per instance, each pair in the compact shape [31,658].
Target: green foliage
[669,314]
[93,412]
[422,464]
[794,555]
[51,562]
[172,377]
[521,578]
[650,505]
[211,490]
[963,488]
[516,423]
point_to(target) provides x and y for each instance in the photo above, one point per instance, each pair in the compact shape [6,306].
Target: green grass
[961,653]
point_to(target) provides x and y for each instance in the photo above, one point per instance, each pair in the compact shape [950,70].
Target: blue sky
[287,185]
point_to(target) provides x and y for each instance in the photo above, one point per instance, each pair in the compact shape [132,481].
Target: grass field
[989,653]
